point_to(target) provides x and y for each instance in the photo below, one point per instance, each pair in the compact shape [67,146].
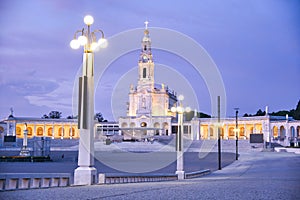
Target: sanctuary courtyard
[149,114]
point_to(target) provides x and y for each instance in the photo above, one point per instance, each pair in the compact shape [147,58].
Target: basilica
[149,109]
[149,113]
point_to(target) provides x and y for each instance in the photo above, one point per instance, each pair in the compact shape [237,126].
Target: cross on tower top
[146,24]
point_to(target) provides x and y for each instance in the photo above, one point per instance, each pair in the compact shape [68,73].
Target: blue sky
[255,45]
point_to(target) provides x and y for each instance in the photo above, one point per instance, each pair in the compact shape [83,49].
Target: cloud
[60,98]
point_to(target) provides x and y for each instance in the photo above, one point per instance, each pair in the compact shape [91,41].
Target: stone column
[226,135]
[85,174]
[245,131]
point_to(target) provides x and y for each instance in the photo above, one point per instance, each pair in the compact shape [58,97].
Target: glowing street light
[179,137]
[86,173]
[88,38]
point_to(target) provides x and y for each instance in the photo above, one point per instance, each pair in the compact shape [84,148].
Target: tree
[99,117]
[296,113]
[246,115]
[54,115]
[45,116]
[72,117]
[260,113]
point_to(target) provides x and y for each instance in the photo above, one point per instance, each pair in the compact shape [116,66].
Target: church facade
[149,108]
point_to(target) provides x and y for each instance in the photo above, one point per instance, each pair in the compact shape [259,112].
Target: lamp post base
[180,175]
[24,152]
[85,176]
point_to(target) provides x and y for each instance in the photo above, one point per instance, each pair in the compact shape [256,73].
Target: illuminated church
[149,113]
[149,106]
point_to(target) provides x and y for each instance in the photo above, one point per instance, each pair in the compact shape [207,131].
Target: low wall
[196,174]
[113,178]
[14,181]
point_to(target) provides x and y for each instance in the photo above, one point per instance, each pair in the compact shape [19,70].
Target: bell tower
[146,65]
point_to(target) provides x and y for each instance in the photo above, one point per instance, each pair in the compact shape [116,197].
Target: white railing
[15,181]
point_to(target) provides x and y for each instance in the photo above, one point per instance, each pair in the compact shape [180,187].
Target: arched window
[40,131]
[71,132]
[18,130]
[143,124]
[242,132]
[275,132]
[61,132]
[231,132]
[222,132]
[211,132]
[50,130]
[282,133]
[29,133]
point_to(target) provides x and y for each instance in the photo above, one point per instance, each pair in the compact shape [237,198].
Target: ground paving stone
[256,175]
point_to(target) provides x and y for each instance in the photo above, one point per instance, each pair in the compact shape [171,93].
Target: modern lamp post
[85,173]
[179,138]
[236,134]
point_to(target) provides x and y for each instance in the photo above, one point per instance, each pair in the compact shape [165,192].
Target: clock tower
[148,109]
[146,65]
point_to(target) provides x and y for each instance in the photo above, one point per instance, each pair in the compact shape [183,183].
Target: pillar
[85,173]
[226,132]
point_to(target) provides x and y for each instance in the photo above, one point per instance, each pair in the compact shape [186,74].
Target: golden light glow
[173,109]
[102,43]
[88,20]
[180,97]
[94,46]
[74,44]
[82,40]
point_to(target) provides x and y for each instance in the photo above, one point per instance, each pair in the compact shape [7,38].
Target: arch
[39,131]
[242,132]
[211,131]
[124,125]
[222,133]
[165,126]
[156,125]
[132,125]
[282,133]
[251,130]
[29,129]
[49,132]
[143,124]
[204,132]
[1,130]
[298,132]
[293,133]
[275,132]
[72,132]
[61,132]
[18,130]
[231,132]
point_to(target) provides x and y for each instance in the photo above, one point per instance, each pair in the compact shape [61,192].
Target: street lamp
[86,173]
[179,137]
[236,133]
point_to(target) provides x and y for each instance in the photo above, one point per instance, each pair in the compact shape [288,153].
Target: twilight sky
[255,45]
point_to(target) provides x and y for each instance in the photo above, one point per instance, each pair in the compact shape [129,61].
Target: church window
[144,72]
[145,48]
